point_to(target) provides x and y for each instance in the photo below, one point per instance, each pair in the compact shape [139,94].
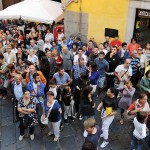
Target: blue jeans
[136,144]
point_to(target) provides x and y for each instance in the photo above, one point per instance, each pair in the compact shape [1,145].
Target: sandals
[121,121]
[56,139]
[50,133]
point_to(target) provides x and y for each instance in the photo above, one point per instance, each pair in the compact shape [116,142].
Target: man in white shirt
[18,90]
[79,55]
[123,73]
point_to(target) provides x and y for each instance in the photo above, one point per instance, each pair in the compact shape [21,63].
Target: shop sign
[144,13]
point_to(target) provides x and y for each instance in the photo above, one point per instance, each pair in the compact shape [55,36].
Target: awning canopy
[42,11]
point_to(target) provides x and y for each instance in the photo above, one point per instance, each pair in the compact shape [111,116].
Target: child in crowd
[139,132]
[92,131]
[68,102]
[53,87]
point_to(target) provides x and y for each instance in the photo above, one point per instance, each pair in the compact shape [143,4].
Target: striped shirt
[134,62]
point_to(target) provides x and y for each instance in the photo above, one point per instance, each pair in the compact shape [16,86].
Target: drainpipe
[80,23]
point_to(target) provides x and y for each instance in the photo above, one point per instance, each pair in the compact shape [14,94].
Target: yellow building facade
[103,14]
[92,17]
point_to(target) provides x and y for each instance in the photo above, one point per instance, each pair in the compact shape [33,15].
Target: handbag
[27,121]
[45,120]
[108,110]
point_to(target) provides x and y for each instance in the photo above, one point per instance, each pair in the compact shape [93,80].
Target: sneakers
[104,144]
[56,139]
[50,133]
[4,97]
[21,137]
[80,118]
[32,136]
[101,136]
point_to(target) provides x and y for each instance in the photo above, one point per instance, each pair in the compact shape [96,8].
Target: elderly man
[123,73]
[67,60]
[52,62]
[29,75]
[18,89]
[9,56]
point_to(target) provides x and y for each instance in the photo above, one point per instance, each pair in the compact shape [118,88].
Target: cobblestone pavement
[71,137]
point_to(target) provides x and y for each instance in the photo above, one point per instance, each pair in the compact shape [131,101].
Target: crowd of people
[55,82]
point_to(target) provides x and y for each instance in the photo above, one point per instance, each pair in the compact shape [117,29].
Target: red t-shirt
[132,47]
[116,43]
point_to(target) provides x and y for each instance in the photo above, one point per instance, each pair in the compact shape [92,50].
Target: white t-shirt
[47,46]
[14,50]
[60,36]
[76,57]
[140,129]
[124,73]
[33,59]
[121,72]
[54,90]
[49,36]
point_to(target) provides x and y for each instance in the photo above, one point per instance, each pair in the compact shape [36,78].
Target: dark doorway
[142,26]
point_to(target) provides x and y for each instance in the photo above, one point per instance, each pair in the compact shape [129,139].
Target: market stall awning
[42,11]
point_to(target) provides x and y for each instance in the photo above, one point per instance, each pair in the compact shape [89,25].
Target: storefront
[142,26]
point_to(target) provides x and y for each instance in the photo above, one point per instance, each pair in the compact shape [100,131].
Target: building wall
[101,14]
[1,5]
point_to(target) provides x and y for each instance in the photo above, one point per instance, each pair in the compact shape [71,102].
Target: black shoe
[16,119]
[66,121]
[71,118]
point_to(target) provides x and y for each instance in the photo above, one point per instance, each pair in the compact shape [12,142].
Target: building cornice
[66,3]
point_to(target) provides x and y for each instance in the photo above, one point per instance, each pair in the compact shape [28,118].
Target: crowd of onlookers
[56,81]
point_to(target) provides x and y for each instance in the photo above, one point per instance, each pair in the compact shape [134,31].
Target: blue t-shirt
[56,106]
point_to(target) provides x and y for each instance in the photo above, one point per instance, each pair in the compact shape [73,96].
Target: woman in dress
[126,100]
[26,108]
[54,116]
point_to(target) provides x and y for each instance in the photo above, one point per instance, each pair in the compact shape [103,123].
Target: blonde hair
[89,123]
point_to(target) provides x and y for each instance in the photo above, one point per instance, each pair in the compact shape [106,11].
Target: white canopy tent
[42,11]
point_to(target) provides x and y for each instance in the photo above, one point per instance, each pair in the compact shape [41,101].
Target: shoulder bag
[45,120]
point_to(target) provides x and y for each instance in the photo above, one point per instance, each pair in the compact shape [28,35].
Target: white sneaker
[21,137]
[32,136]
[104,144]
[101,136]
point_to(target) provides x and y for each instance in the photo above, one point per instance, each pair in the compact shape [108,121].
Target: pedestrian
[108,108]
[87,105]
[52,108]
[126,99]
[92,131]
[26,108]
[139,132]
[68,102]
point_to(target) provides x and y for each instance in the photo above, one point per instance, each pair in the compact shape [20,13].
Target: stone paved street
[71,137]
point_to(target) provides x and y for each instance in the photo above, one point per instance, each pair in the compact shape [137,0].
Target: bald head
[18,78]
[65,49]
[127,63]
